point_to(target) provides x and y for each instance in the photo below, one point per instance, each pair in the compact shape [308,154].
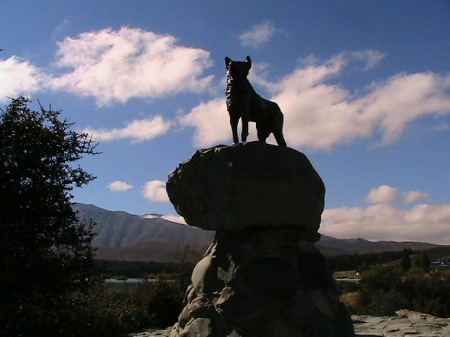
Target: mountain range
[126,237]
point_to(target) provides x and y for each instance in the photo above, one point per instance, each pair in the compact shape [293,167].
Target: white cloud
[383,194]
[389,194]
[211,121]
[137,130]
[155,190]
[172,218]
[19,77]
[119,65]
[371,57]
[425,223]
[414,196]
[119,186]
[401,99]
[175,218]
[258,35]
[319,115]
[151,216]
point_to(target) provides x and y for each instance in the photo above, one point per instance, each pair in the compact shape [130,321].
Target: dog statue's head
[238,69]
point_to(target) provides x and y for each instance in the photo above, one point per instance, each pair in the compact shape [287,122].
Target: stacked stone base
[265,282]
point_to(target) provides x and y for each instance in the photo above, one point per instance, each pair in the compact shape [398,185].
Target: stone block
[245,185]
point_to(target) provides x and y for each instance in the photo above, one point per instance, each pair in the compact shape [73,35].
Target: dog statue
[244,103]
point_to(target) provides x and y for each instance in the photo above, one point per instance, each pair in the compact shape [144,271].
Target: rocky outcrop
[245,185]
[262,276]
[263,282]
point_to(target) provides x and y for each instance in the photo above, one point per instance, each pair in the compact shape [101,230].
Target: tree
[45,251]
[406,260]
[423,261]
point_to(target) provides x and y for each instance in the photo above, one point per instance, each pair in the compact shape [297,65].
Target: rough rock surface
[244,185]
[262,276]
[405,324]
[263,282]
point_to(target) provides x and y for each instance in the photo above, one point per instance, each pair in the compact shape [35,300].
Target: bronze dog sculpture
[244,103]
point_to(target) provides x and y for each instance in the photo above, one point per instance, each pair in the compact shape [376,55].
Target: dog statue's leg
[277,127]
[278,133]
[279,138]
[263,131]
[245,116]
[234,120]
[244,133]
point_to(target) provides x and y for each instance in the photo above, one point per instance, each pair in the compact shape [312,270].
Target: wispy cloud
[320,115]
[119,186]
[112,65]
[258,35]
[371,58]
[137,130]
[155,190]
[60,29]
[19,77]
[415,196]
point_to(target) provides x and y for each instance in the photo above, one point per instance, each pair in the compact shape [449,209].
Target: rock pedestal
[262,276]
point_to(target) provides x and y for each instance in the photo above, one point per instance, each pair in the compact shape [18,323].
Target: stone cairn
[262,276]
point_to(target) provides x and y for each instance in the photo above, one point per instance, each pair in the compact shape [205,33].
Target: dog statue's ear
[227,61]
[249,61]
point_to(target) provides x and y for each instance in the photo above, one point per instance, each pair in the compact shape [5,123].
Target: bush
[384,290]
[132,309]
[429,292]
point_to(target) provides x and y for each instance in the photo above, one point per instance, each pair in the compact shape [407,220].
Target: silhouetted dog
[244,103]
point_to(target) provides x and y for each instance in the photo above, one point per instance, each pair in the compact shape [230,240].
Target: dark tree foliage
[406,263]
[422,261]
[45,251]
[386,289]
[362,262]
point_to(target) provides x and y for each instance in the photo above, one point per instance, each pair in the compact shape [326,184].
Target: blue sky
[364,87]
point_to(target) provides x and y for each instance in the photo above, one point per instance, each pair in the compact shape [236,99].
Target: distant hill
[121,229]
[128,237]
[332,246]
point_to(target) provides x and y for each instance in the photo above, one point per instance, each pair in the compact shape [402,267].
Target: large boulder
[248,185]
[262,275]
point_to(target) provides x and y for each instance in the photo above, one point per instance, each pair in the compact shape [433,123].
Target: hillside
[332,246]
[124,236]
[120,229]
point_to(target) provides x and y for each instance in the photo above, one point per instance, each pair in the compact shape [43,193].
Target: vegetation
[153,303]
[383,290]
[130,309]
[45,252]
[408,283]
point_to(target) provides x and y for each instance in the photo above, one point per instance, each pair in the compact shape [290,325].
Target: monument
[262,276]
